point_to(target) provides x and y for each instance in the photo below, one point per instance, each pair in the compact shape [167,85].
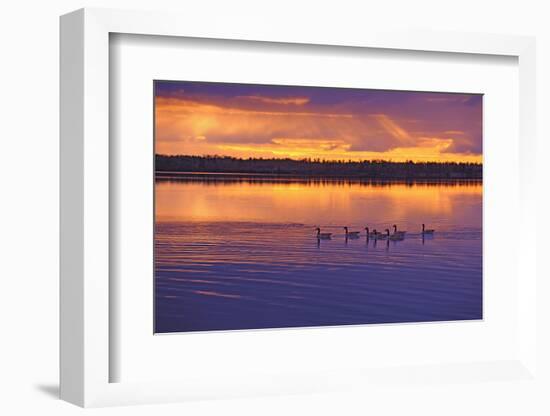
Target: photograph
[291,206]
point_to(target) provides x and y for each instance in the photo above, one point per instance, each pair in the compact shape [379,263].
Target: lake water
[241,252]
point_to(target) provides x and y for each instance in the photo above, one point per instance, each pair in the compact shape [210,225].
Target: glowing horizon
[244,120]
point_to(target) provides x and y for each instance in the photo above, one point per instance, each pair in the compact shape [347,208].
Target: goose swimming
[425,231]
[395,232]
[351,234]
[370,234]
[323,236]
[395,237]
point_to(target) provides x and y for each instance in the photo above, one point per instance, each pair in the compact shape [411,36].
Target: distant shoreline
[366,170]
[278,178]
[316,168]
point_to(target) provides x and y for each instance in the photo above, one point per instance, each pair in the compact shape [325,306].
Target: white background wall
[29,202]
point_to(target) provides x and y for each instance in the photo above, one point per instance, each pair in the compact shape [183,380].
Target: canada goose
[351,234]
[395,232]
[395,237]
[323,236]
[370,234]
[382,236]
[424,231]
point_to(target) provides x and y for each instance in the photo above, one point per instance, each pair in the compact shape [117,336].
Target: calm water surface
[241,253]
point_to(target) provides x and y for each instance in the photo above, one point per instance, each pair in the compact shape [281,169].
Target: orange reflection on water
[325,203]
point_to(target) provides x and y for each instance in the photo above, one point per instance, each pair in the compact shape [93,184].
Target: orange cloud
[283,101]
[312,144]
[175,106]
[186,126]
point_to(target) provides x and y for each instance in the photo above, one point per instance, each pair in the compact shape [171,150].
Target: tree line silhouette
[368,169]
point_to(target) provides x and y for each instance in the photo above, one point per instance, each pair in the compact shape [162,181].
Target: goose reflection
[426,236]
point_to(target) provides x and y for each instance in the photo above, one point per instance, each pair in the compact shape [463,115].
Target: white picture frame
[85,211]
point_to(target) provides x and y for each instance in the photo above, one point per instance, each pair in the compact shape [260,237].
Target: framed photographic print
[277,212]
[289,206]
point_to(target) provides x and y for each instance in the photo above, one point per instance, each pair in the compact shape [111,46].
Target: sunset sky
[244,120]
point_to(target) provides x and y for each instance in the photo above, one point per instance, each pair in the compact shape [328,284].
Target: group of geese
[397,235]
